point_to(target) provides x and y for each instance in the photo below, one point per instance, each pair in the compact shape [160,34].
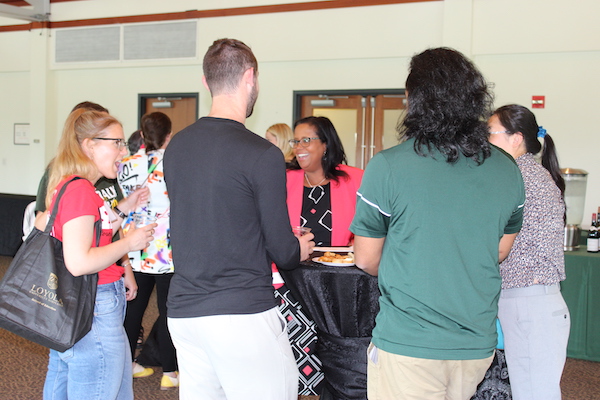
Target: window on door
[365,120]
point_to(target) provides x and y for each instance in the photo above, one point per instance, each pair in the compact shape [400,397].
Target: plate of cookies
[335,260]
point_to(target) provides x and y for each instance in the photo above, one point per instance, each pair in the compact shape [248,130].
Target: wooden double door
[365,122]
[181,108]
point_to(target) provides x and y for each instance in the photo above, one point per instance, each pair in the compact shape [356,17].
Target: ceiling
[21,3]
[39,10]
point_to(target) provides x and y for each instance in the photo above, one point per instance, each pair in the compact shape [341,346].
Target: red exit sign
[538,101]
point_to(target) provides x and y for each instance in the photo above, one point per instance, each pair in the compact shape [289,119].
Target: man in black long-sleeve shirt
[229,221]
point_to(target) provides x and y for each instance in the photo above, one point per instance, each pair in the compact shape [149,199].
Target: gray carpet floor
[23,368]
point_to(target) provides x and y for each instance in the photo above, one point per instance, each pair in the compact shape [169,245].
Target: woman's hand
[140,238]
[131,286]
[136,199]
[81,258]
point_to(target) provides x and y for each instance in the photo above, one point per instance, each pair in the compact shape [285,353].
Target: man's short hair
[224,64]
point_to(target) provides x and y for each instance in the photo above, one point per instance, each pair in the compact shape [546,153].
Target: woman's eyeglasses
[121,143]
[304,142]
[497,132]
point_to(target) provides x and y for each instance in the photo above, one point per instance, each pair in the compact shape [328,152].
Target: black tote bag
[40,300]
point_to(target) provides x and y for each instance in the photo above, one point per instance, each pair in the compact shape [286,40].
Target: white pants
[536,324]
[235,357]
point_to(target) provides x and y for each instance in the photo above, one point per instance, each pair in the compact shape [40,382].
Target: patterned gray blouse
[537,256]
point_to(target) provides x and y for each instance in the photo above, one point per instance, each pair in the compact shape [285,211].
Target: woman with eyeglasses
[321,195]
[321,188]
[534,317]
[98,366]
[153,266]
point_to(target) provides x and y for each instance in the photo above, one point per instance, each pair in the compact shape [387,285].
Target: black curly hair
[449,103]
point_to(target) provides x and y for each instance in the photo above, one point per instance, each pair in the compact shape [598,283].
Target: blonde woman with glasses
[98,367]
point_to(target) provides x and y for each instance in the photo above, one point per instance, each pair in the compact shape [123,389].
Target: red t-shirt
[80,198]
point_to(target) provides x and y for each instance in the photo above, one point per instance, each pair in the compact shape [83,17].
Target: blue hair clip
[541,132]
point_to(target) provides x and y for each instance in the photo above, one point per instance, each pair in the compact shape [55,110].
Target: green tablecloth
[581,291]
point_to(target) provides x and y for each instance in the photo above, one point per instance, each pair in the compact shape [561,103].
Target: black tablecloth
[343,303]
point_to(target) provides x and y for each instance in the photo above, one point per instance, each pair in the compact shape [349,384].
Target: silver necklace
[310,184]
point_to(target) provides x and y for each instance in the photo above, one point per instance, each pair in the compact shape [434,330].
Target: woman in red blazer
[321,195]
[321,188]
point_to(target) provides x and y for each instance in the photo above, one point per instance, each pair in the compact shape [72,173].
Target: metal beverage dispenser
[575,186]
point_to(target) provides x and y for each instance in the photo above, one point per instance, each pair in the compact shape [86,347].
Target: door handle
[363,145]
[372,141]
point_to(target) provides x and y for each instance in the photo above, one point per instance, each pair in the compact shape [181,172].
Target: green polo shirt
[442,222]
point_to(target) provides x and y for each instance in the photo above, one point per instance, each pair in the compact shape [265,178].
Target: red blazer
[343,201]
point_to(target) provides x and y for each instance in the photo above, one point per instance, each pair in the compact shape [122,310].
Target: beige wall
[525,47]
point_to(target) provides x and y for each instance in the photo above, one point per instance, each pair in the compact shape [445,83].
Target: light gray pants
[536,324]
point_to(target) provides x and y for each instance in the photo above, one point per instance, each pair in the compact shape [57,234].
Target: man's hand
[306,245]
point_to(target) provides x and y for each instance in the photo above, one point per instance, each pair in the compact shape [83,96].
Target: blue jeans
[98,367]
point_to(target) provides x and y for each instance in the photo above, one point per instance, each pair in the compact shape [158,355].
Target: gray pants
[536,324]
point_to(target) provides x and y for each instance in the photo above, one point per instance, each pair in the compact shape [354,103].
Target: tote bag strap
[97,224]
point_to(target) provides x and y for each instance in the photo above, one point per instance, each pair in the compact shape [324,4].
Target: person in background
[108,189]
[533,314]
[321,195]
[280,135]
[98,366]
[228,222]
[135,142]
[434,216]
[153,266]
[321,187]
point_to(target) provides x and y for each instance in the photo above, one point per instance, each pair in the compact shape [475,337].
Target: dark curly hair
[334,155]
[448,106]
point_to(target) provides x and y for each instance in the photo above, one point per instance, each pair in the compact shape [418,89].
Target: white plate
[334,249]
[332,264]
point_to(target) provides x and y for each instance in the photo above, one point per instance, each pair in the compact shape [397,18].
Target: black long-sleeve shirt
[229,219]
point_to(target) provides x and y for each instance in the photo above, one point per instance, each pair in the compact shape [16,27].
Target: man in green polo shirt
[435,215]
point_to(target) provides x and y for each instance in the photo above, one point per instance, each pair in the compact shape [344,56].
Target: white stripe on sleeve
[373,205]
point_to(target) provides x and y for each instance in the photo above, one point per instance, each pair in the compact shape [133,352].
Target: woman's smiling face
[309,157]
[107,154]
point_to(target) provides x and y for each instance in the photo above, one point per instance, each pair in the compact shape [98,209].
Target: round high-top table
[343,302]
